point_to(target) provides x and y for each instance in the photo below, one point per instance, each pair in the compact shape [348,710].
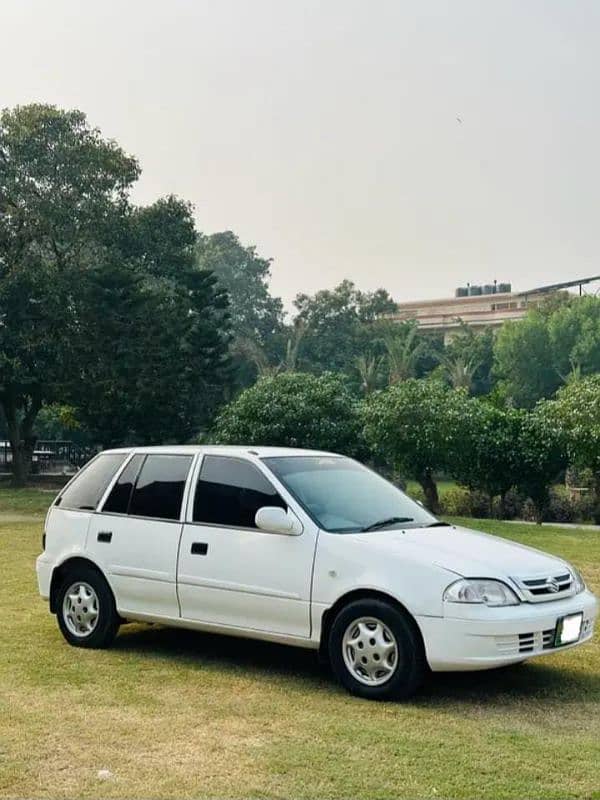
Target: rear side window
[159,488]
[230,492]
[117,501]
[86,490]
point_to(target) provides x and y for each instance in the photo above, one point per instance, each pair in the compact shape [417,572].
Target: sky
[415,145]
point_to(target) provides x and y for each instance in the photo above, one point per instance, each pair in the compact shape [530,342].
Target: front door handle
[104,536]
[199,548]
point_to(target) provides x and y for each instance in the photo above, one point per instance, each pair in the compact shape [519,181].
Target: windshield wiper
[438,525]
[382,523]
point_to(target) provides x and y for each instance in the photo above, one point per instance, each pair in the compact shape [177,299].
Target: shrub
[294,409]
[456,502]
[561,507]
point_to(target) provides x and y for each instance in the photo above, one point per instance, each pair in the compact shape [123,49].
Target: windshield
[342,496]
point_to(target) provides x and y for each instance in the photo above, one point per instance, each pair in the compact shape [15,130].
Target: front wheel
[376,651]
[86,611]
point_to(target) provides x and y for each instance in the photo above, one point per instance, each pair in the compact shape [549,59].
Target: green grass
[25,501]
[181,714]
[413,488]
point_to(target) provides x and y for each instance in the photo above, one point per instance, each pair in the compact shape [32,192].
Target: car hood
[466,552]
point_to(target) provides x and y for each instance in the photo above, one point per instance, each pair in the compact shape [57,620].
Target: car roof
[214,449]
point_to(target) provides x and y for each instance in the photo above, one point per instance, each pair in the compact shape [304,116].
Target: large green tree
[416,427]
[61,186]
[259,340]
[294,410]
[101,304]
[523,360]
[338,326]
[537,355]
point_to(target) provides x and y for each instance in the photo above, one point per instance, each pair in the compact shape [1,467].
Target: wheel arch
[59,573]
[330,614]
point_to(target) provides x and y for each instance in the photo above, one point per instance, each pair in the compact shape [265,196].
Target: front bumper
[483,638]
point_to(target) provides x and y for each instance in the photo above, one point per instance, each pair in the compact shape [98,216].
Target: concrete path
[567,525]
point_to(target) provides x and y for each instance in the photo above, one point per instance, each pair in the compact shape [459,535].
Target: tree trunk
[430,490]
[596,490]
[22,439]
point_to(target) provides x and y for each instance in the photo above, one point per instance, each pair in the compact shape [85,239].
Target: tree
[162,323]
[101,304]
[575,415]
[293,410]
[574,333]
[244,275]
[338,326]
[523,360]
[542,456]
[60,187]
[488,456]
[403,347]
[416,427]
[467,359]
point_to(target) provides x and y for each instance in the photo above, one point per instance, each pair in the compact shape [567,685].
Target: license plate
[568,629]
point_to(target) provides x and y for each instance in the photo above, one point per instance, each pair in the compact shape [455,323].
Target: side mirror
[273,519]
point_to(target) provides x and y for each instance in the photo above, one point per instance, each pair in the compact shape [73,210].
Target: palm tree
[402,351]
[368,367]
[460,370]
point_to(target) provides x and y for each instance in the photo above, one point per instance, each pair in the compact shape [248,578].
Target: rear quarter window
[86,490]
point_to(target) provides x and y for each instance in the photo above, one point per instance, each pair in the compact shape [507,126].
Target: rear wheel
[85,609]
[376,651]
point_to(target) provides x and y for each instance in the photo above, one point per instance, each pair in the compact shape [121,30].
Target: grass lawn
[180,714]
[25,501]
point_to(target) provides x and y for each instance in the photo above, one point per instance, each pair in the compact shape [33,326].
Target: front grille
[541,588]
[540,640]
[515,644]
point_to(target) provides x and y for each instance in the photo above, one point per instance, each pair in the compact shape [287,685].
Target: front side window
[158,491]
[86,490]
[230,491]
[117,501]
[342,496]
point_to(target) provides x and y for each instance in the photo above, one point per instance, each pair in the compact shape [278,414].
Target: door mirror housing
[273,519]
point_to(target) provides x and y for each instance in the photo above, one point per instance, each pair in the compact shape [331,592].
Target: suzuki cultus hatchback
[301,547]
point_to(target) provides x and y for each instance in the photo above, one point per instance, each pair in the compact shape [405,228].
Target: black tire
[107,620]
[410,666]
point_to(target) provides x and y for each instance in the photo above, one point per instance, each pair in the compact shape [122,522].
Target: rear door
[135,536]
[230,572]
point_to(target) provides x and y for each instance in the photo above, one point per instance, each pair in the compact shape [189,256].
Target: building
[479,306]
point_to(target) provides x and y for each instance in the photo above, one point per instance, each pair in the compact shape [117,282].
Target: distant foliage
[294,410]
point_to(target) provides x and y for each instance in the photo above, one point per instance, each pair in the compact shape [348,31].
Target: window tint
[118,499]
[89,486]
[230,492]
[159,488]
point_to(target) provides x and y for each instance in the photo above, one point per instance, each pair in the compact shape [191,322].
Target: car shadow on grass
[532,681]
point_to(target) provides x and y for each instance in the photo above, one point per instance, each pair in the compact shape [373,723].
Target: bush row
[563,505]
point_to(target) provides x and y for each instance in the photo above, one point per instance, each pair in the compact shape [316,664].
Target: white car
[305,548]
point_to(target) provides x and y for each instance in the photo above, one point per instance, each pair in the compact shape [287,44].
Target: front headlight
[578,582]
[480,590]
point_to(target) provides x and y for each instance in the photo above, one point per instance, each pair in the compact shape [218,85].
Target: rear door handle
[199,548]
[104,536]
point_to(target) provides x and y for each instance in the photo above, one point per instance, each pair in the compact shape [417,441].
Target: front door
[135,537]
[230,572]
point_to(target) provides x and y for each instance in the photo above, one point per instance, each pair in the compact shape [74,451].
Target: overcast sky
[412,145]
